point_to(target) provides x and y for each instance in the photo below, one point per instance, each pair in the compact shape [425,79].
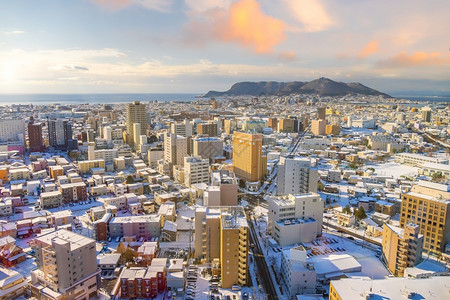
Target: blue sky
[111,46]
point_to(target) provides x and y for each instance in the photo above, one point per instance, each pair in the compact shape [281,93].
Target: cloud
[13,32]
[116,5]
[244,23]
[70,68]
[371,48]
[287,55]
[404,60]
[311,13]
[205,5]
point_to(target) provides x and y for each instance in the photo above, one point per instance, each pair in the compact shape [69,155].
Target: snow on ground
[394,169]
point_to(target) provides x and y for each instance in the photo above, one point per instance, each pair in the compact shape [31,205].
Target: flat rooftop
[393,288]
[63,236]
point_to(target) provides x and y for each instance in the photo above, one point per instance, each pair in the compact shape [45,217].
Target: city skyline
[156,46]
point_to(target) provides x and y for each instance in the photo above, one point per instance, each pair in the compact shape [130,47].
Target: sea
[44,99]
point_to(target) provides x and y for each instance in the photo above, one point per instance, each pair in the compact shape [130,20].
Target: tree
[128,255]
[130,179]
[360,213]
[347,210]
[320,185]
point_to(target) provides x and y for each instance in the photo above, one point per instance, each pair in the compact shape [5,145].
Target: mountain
[321,86]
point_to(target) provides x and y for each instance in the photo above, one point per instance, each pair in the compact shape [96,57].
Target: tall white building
[295,218]
[175,148]
[12,130]
[196,170]
[184,129]
[296,176]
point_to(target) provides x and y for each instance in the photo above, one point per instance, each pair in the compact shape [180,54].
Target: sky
[193,46]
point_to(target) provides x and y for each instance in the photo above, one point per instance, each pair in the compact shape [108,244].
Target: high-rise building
[318,127]
[332,129]
[207,233]
[207,148]
[248,160]
[35,141]
[230,126]
[136,114]
[12,134]
[60,134]
[175,148]
[273,123]
[234,236]
[136,134]
[207,129]
[296,176]
[426,114]
[66,266]
[428,206]
[184,128]
[286,125]
[321,112]
[401,247]
[196,170]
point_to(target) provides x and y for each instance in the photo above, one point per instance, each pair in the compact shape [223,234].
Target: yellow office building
[248,160]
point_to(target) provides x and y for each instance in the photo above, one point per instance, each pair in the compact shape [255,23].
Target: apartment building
[73,192]
[107,155]
[401,247]
[66,266]
[86,166]
[154,154]
[248,161]
[196,170]
[207,233]
[254,125]
[318,127]
[296,176]
[35,140]
[230,126]
[184,129]
[207,148]
[146,226]
[207,129]
[175,148]
[18,174]
[144,283]
[295,218]
[234,246]
[50,199]
[428,206]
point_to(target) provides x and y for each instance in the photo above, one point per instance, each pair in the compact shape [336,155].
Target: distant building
[207,129]
[60,135]
[184,129]
[175,148]
[208,148]
[135,113]
[426,114]
[196,170]
[35,140]
[248,160]
[318,127]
